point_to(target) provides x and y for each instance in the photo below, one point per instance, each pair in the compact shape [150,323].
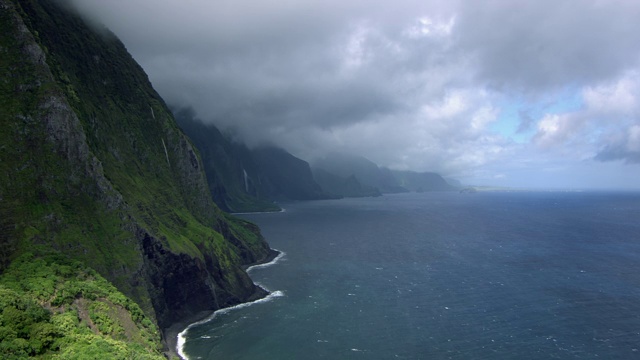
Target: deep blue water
[493,275]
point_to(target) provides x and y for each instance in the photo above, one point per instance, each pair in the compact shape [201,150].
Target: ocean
[488,275]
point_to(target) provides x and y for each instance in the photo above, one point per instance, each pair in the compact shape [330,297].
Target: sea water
[489,275]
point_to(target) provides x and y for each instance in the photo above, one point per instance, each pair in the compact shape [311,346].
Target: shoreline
[259,212]
[172,332]
[272,255]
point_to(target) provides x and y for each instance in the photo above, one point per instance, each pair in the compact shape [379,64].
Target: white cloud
[426,26]
[619,97]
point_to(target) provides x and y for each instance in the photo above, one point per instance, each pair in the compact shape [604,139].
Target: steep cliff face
[243,179]
[93,166]
[232,174]
[285,177]
[343,186]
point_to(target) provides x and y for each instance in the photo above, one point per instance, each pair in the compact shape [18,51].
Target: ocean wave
[272,262]
[182,335]
[272,295]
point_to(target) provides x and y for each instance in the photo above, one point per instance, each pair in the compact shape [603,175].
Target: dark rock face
[285,177]
[242,179]
[178,284]
[341,186]
[233,177]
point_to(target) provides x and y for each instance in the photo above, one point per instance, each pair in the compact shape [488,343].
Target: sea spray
[272,295]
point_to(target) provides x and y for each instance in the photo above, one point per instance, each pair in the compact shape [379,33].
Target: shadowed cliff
[247,180]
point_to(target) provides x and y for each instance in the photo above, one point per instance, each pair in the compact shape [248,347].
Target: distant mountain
[284,176]
[454,182]
[424,181]
[364,170]
[371,175]
[341,186]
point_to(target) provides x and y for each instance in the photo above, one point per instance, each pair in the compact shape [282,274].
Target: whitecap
[272,262]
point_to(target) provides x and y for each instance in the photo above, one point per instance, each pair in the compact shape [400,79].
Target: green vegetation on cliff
[94,168]
[56,308]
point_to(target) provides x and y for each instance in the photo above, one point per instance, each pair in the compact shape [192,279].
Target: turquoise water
[442,276]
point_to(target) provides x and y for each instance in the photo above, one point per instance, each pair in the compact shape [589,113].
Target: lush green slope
[56,308]
[93,166]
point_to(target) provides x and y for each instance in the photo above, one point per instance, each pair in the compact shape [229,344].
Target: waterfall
[246,181]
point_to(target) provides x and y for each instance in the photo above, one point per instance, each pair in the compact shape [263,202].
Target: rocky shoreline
[171,333]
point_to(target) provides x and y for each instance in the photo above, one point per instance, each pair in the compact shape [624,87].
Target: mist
[506,93]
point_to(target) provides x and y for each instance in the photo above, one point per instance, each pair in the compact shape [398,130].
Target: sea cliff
[95,171]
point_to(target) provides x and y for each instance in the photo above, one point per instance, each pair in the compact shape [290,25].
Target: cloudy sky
[542,93]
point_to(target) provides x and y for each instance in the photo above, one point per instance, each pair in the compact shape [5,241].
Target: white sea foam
[272,262]
[182,335]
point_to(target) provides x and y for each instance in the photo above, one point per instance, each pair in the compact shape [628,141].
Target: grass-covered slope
[56,308]
[94,167]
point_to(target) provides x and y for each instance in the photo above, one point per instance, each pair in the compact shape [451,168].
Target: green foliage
[43,299]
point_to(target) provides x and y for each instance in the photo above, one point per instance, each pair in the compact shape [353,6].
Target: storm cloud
[486,91]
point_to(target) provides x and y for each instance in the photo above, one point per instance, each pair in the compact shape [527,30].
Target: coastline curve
[181,337]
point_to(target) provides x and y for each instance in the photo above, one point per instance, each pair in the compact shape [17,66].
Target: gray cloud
[611,153]
[409,84]
[540,45]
